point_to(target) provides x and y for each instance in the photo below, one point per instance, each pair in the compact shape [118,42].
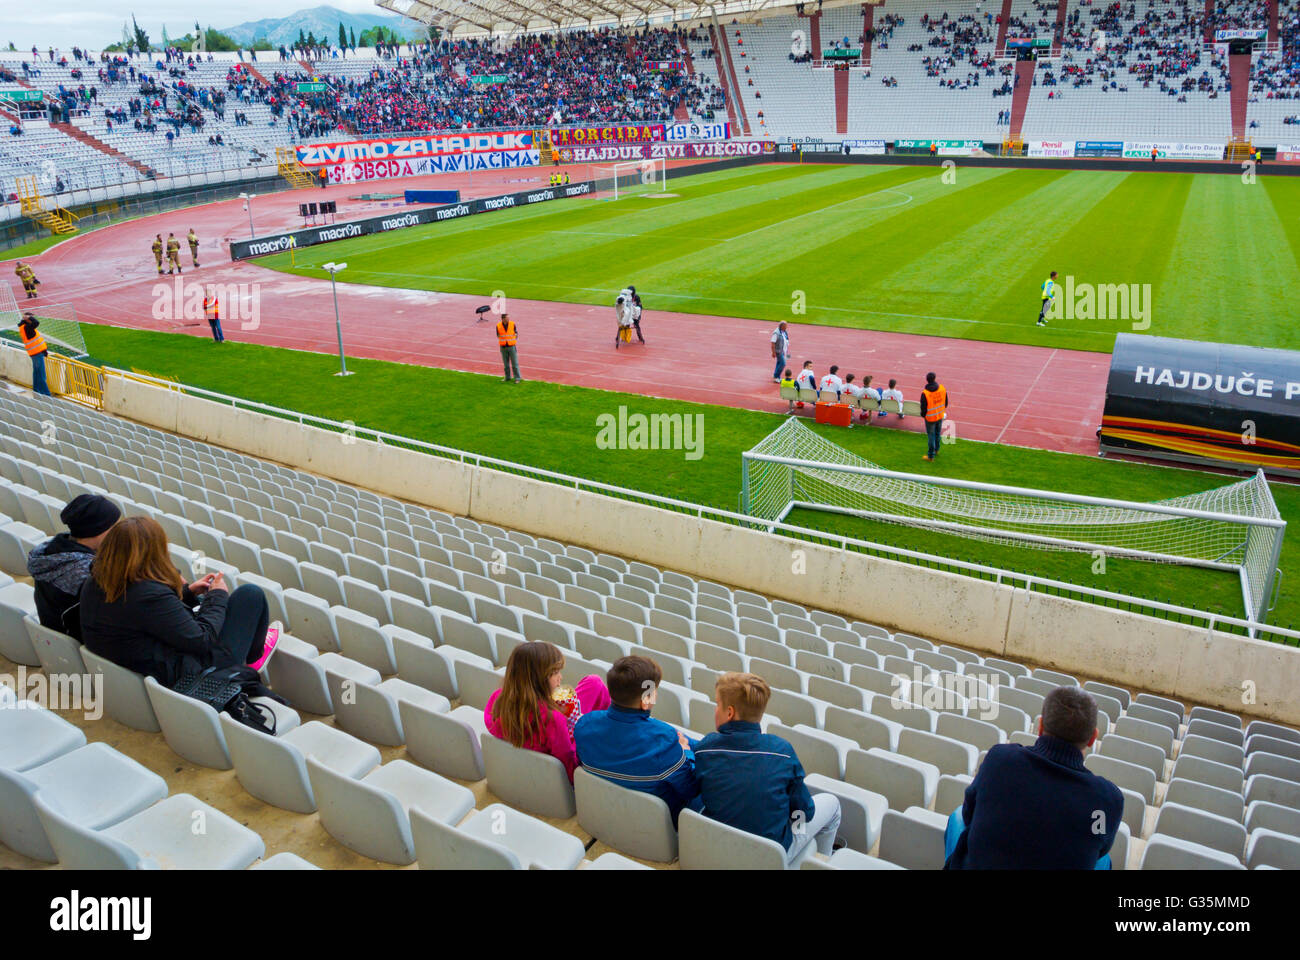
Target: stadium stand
[399,600]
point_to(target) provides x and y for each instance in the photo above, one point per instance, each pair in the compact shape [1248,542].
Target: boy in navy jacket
[753,781]
[627,746]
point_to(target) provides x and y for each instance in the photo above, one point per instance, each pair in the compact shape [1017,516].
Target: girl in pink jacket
[525,711]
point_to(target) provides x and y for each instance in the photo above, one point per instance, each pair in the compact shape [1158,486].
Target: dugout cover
[1207,403]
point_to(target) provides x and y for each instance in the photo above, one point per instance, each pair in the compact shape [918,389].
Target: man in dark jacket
[1039,807]
[60,566]
[934,408]
[753,781]
[627,746]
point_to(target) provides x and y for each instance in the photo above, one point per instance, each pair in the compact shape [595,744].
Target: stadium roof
[465,18]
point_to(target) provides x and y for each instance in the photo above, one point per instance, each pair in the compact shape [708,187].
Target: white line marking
[1025,398]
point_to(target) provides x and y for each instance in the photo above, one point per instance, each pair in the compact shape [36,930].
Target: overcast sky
[93,24]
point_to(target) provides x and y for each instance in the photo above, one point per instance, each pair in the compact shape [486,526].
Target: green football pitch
[900,248]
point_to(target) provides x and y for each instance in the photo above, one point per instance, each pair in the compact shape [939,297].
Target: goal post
[1234,528]
[631,177]
[58,322]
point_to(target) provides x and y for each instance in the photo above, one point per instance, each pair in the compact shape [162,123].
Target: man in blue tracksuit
[627,746]
[753,781]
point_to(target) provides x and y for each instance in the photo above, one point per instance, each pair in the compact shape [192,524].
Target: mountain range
[323,22]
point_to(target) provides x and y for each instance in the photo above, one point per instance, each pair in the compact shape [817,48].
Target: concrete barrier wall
[1090,641]
[16,366]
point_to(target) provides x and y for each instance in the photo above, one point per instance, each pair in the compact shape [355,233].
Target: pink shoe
[268,647]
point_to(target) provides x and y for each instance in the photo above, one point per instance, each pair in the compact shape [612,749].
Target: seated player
[832,381]
[807,380]
[893,395]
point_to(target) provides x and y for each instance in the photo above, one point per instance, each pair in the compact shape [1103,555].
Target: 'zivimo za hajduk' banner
[670,151]
[1203,402]
[414,148]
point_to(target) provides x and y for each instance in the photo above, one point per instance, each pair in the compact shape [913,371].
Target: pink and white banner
[667,151]
[414,148]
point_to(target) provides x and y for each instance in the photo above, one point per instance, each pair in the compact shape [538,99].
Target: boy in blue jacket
[627,746]
[753,781]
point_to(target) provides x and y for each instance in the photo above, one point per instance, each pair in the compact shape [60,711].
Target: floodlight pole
[333,269]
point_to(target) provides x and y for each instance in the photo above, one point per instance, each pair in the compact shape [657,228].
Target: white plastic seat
[93,786]
[17,603]
[58,653]
[1270,848]
[914,838]
[293,673]
[861,810]
[284,861]
[528,780]
[494,838]
[162,836]
[191,727]
[371,815]
[125,697]
[361,638]
[1171,853]
[904,781]
[633,821]
[1199,826]
[445,742]
[274,769]
[706,844]
[1202,796]
[1146,755]
[373,712]
[614,861]
[847,859]
[311,619]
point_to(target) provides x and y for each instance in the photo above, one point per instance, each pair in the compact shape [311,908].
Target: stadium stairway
[1020,96]
[841,101]
[728,89]
[76,133]
[400,600]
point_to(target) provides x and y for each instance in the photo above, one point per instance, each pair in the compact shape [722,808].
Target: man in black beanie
[60,566]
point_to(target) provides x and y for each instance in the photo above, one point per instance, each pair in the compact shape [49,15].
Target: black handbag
[230,690]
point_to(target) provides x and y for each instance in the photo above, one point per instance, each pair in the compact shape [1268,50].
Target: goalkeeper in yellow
[1048,293]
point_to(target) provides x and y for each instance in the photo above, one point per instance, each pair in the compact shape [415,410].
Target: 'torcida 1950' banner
[667,151]
[415,148]
[612,133]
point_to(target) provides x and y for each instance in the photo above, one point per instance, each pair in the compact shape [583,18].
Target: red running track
[1029,396]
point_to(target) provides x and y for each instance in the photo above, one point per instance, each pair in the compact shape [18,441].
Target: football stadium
[595,436]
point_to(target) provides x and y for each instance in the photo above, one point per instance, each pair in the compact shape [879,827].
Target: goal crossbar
[651,172]
[1148,507]
[1236,527]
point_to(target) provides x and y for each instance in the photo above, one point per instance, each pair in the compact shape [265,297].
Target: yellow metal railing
[75,381]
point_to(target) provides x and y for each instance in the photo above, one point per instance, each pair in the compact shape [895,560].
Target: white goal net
[631,178]
[1235,527]
[58,323]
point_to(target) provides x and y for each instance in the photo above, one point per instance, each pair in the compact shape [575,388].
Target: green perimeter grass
[882,248]
[554,427]
[33,247]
